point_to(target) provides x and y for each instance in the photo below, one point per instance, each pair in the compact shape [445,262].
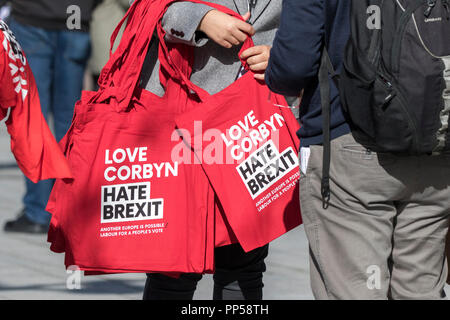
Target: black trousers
[238,275]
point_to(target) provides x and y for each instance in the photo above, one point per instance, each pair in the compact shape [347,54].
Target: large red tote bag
[252,163]
[130,207]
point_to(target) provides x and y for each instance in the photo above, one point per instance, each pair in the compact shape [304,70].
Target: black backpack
[395,83]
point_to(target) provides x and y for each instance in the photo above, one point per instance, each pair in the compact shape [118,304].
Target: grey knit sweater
[215,67]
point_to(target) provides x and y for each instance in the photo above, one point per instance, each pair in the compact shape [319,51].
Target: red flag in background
[32,143]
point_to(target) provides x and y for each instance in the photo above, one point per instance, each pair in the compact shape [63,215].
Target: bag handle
[120,76]
[168,61]
[130,16]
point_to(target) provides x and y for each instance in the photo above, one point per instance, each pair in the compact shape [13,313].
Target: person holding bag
[216,37]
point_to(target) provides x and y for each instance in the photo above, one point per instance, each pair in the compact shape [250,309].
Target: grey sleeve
[181,22]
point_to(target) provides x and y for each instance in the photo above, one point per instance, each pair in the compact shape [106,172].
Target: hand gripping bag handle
[128,58]
[174,70]
[121,74]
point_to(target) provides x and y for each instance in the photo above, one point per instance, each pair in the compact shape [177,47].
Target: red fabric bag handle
[134,13]
[120,76]
[169,62]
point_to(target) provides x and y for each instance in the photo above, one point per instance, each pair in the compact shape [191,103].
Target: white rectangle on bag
[256,178]
[305,153]
[129,202]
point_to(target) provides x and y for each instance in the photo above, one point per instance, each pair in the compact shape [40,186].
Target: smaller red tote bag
[130,206]
[252,163]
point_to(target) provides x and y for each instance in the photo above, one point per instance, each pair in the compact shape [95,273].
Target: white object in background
[4,12]
[304,159]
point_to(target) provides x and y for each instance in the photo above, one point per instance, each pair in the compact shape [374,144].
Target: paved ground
[29,270]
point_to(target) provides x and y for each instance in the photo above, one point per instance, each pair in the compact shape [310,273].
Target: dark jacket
[305,27]
[51,14]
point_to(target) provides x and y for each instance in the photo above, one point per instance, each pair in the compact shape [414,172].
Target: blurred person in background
[105,18]
[54,36]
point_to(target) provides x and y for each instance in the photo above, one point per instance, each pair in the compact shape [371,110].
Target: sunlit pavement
[29,270]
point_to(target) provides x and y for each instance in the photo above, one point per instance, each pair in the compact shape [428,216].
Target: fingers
[263,52]
[224,29]
[245,27]
[239,35]
[259,60]
[240,30]
[232,40]
[259,76]
[224,44]
[257,57]
[262,66]
[236,36]
[246,16]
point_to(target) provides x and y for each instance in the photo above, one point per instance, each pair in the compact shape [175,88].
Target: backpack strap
[326,68]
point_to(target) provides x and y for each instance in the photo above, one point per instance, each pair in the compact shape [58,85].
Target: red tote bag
[252,162]
[130,207]
[257,184]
